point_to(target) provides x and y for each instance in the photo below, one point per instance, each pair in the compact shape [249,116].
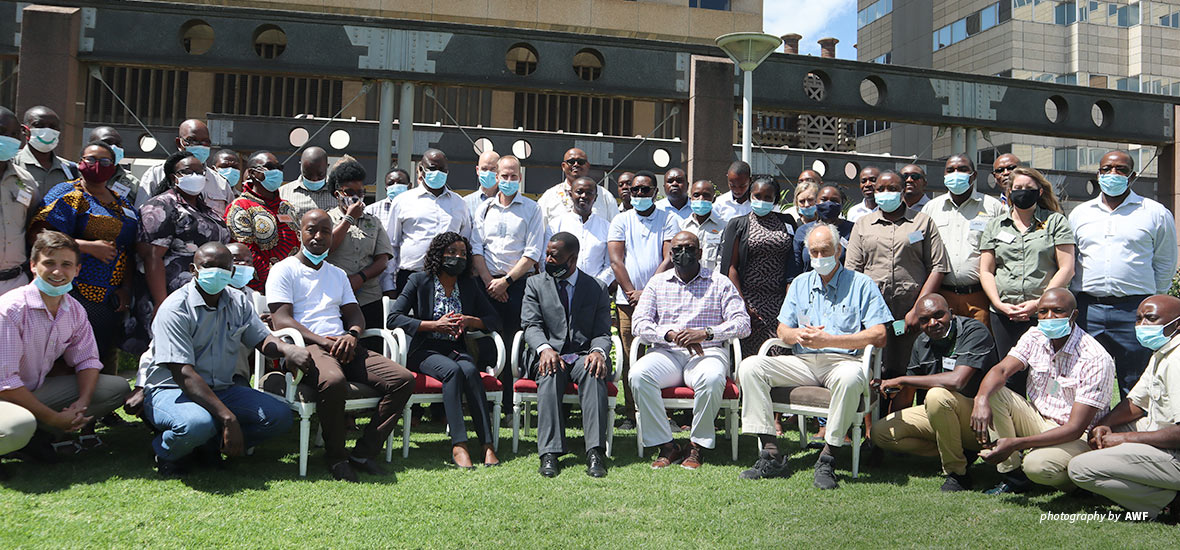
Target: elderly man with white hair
[829,315]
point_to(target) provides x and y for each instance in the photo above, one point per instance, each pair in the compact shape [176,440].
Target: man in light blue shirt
[189,393]
[485,173]
[1126,252]
[829,315]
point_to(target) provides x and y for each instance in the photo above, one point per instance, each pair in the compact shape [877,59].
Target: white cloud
[814,19]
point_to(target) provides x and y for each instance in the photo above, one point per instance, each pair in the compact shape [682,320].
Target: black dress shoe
[549,465]
[595,463]
[343,471]
[368,466]
[168,469]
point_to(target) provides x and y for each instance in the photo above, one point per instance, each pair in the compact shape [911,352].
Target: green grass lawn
[111,497]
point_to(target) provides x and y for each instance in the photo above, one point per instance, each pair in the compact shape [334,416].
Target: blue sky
[814,19]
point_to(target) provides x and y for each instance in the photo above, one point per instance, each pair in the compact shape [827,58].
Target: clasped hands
[689,338]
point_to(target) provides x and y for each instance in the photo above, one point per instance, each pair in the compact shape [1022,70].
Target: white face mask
[43,139]
[192,184]
[824,265]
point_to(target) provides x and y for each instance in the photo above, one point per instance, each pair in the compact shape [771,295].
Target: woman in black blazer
[446,302]
[757,254]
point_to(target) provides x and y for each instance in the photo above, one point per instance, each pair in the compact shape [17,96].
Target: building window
[573,113]
[869,127]
[721,5]
[875,11]
[276,96]
[158,96]
[469,106]
[883,59]
[971,25]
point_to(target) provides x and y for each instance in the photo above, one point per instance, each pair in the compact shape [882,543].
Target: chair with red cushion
[524,391]
[681,397]
[427,389]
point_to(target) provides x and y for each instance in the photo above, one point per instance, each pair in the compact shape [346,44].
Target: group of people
[986,350]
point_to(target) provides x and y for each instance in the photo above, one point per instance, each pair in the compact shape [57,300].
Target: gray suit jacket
[544,321]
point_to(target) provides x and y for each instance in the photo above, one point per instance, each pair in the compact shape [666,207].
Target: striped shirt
[1082,372]
[34,339]
[709,300]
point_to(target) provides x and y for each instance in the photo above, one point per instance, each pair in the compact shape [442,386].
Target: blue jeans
[1113,326]
[186,425]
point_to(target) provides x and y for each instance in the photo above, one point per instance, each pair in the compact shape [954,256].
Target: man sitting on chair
[688,314]
[189,390]
[313,297]
[829,315]
[566,319]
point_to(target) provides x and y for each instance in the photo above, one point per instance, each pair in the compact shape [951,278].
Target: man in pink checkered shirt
[1070,383]
[39,323]
[688,314]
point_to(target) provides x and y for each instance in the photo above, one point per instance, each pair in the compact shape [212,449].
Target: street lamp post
[748,50]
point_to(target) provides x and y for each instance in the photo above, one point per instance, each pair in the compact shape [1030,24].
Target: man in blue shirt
[189,393]
[829,315]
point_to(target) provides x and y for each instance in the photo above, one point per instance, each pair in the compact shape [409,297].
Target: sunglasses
[912,176]
[642,190]
[575,161]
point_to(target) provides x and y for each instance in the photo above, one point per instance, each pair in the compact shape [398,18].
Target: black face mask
[557,271]
[685,260]
[1024,198]
[828,210]
[454,266]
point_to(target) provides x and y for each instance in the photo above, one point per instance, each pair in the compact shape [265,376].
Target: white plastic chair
[524,392]
[302,398]
[804,401]
[681,397]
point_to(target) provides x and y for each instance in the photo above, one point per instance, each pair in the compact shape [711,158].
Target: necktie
[562,285]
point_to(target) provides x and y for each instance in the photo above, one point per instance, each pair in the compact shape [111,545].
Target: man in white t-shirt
[314,297]
[735,202]
[638,245]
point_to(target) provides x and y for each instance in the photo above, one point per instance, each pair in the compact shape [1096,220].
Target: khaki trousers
[941,427]
[17,425]
[840,373]
[1014,416]
[974,305]
[1136,476]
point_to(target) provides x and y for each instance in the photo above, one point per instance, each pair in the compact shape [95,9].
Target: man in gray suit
[566,320]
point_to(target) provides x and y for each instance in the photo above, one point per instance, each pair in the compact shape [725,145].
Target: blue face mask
[829,210]
[487,179]
[316,259]
[434,179]
[231,175]
[118,154]
[9,147]
[199,151]
[213,279]
[888,201]
[760,208]
[807,211]
[395,190]
[1054,328]
[273,179]
[642,204]
[509,187]
[701,208]
[1113,185]
[49,290]
[313,185]
[1152,336]
[957,182]
[243,274]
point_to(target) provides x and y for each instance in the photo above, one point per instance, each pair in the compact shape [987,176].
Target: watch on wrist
[354,333]
[509,279]
[708,334]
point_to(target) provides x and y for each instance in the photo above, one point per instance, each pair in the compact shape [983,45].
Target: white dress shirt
[416,217]
[505,234]
[1127,251]
[960,228]
[593,257]
[217,193]
[709,233]
[682,213]
[725,208]
[556,202]
[858,210]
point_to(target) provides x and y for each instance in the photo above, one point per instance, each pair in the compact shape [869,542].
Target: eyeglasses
[866,180]
[1121,168]
[193,141]
[104,162]
[188,172]
[1003,169]
[575,161]
[642,190]
[913,176]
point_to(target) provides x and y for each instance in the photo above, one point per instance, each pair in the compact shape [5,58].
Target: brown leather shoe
[693,460]
[667,457]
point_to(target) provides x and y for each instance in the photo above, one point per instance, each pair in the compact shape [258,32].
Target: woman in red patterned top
[260,219]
